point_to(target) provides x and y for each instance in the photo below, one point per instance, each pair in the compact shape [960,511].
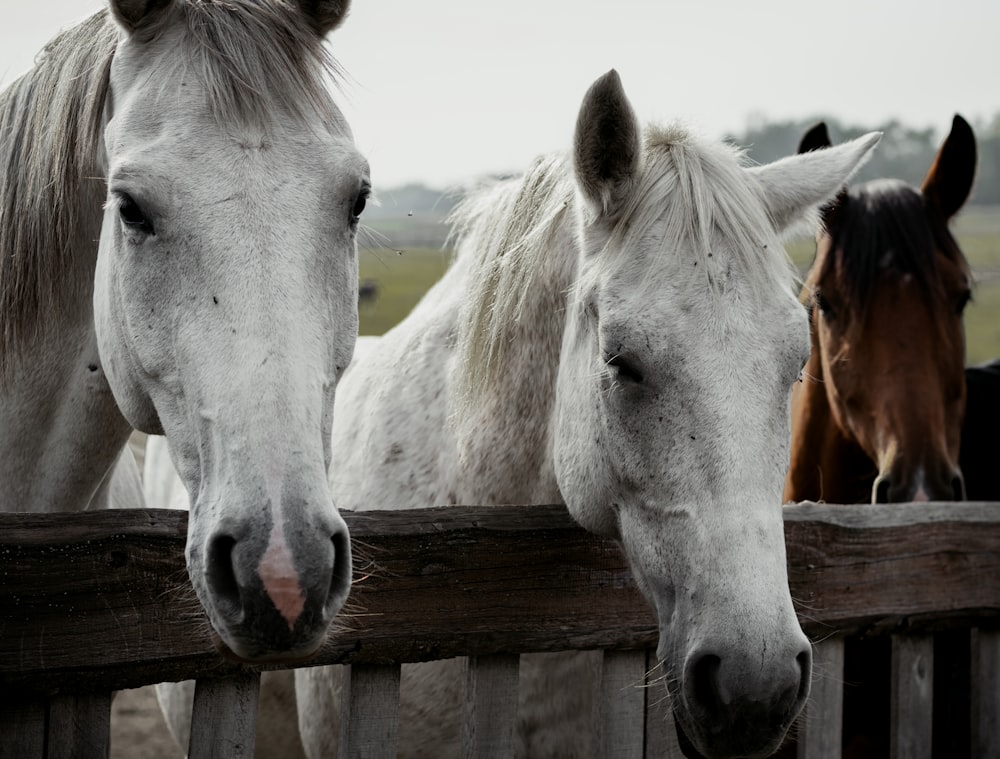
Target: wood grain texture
[84,596]
[623,704]
[912,705]
[369,720]
[490,710]
[224,717]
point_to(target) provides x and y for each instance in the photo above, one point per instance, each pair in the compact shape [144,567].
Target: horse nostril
[221,575]
[804,660]
[340,580]
[705,683]
[882,486]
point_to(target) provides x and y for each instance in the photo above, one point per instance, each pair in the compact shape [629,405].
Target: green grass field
[404,276]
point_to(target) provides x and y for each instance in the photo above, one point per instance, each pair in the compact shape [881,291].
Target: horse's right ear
[139,15]
[949,181]
[815,139]
[606,147]
[324,15]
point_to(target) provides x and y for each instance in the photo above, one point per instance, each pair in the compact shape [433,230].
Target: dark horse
[878,414]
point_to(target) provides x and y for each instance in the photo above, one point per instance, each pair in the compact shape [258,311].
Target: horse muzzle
[272,598]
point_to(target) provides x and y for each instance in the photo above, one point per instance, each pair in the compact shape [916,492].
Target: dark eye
[623,369]
[963,300]
[823,305]
[359,205]
[132,215]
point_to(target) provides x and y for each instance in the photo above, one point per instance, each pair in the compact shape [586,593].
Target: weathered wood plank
[436,583]
[912,705]
[23,720]
[623,707]
[900,566]
[79,725]
[369,720]
[490,711]
[224,717]
[819,727]
[986,693]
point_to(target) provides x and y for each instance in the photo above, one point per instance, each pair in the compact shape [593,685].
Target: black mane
[886,224]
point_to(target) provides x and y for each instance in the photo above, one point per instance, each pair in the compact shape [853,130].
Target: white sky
[443,90]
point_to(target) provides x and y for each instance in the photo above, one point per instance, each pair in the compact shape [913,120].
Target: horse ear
[139,15]
[815,139]
[797,184]
[949,181]
[324,15]
[606,148]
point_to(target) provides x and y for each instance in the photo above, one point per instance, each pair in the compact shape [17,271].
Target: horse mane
[50,125]
[256,61]
[698,187]
[503,233]
[883,224]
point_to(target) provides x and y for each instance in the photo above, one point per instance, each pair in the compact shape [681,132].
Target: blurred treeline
[905,152]
[411,214]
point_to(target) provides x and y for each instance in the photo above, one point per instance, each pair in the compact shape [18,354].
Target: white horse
[198,142]
[620,332]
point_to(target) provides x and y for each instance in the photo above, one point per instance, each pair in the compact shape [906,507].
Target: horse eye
[623,369]
[963,301]
[823,305]
[132,215]
[359,204]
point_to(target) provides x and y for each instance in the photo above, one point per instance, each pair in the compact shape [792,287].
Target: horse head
[683,339]
[886,293]
[226,294]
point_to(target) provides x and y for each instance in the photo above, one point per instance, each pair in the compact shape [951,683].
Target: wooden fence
[99,601]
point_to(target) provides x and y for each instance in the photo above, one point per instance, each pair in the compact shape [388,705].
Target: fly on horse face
[177,255]
[878,414]
[619,333]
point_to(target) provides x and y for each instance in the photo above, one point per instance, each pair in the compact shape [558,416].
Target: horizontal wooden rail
[83,597]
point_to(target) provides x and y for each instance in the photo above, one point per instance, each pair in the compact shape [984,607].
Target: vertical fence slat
[369,720]
[79,725]
[224,717]
[985,692]
[22,726]
[490,713]
[661,735]
[623,704]
[820,728]
[912,704]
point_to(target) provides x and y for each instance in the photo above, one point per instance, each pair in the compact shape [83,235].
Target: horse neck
[824,465]
[504,443]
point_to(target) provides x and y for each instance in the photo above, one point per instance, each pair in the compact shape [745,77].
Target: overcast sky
[443,90]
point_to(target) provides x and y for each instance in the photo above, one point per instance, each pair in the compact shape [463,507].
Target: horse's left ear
[324,15]
[949,181]
[795,185]
[606,146]
[816,138]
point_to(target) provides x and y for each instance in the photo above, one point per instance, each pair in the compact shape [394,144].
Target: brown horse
[878,414]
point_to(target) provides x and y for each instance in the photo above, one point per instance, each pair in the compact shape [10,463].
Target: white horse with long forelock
[619,331]
[178,208]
